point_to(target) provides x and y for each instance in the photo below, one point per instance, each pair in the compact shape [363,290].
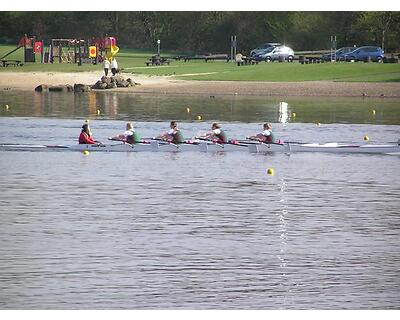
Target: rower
[216,134]
[86,135]
[265,136]
[174,135]
[129,136]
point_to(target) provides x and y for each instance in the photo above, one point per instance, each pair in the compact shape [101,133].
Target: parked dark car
[340,53]
[263,47]
[365,53]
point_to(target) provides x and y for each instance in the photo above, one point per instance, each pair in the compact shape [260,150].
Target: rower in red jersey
[86,135]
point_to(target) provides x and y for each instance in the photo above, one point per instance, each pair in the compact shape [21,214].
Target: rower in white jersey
[174,135]
[265,136]
[129,136]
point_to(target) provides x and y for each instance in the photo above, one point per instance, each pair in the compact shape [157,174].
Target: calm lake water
[198,230]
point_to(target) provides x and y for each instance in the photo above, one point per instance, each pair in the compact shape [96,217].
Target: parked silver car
[276,53]
[264,47]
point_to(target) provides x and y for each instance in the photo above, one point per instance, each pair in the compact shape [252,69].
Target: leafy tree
[376,25]
[209,31]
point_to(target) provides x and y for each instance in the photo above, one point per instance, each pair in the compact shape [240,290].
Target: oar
[131,144]
[187,141]
[232,142]
[122,143]
[100,143]
[211,141]
[165,142]
[191,142]
[264,142]
[237,143]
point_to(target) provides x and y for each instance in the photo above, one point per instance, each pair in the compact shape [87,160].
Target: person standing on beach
[114,67]
[106,64]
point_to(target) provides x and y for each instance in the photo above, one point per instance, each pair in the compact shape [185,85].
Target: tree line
[208,31]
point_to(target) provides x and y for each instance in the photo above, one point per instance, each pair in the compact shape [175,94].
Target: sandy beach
[170,85]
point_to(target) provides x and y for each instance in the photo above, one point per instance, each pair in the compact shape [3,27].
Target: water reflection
[107,104]
[38,104]
[283,235]
[92,103]
[283,116]
[124,106]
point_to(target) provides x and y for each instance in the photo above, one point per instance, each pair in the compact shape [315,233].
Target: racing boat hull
[327,147]
[206,146]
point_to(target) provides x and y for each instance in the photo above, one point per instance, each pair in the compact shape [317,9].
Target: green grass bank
[133,61]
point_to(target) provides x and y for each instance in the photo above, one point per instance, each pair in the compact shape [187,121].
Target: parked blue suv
[365,53]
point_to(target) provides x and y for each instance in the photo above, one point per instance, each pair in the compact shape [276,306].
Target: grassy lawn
[133,61]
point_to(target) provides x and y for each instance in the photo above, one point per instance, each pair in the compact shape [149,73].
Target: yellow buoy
[270,171]
[98,112]
[366,138]
[198,117]
[188,110]
[86,152]
[294,114]
[7,107]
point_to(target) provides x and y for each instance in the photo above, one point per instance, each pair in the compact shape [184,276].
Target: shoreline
[170,85]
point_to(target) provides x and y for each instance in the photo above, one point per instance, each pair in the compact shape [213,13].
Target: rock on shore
[56,88]
[112,82]
[77,87]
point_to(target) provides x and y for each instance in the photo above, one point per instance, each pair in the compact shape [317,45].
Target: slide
[111,52]
[7,54]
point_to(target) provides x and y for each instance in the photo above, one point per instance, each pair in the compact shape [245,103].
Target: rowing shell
[158,146]
[327,147]
[206,146]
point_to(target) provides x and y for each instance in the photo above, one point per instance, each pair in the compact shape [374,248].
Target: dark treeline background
[203,32]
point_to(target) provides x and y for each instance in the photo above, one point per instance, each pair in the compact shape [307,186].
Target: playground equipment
[110,47]
[81,51]
[64,51]
[29,54]
[68,51]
